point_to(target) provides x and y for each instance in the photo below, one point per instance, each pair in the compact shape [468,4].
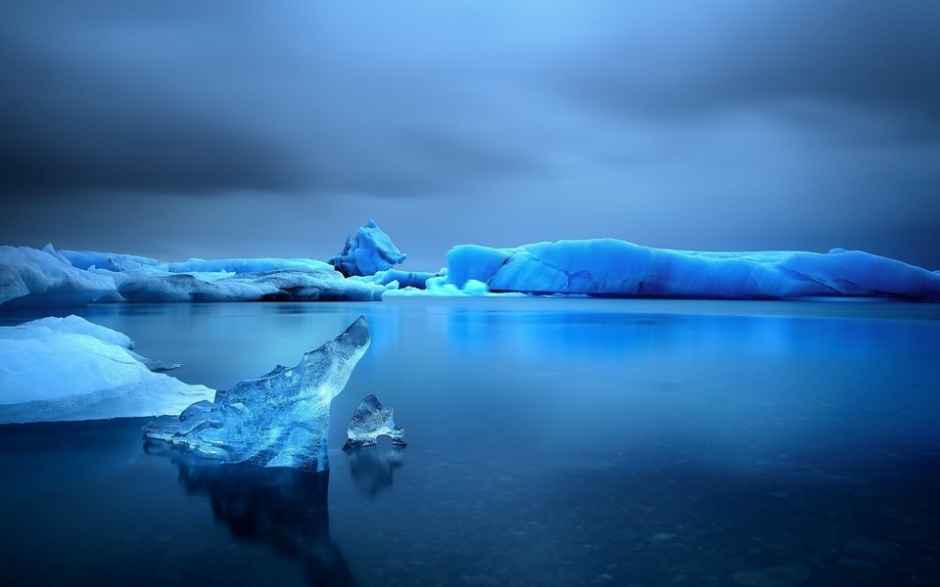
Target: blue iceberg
[396,278]
[607,267]
[367,253]
[281,419]
[371,420]
[57,369]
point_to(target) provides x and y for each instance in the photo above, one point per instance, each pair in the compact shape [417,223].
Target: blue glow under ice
[367,252]
[281,419]
[70,369]
[608,267]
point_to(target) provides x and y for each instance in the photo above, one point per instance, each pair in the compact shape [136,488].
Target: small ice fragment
[371,420]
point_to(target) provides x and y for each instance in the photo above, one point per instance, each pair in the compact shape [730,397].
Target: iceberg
[369,421]
[281,419]
[614,268]
[240,279]
[108,261]
[415,279]
[33,277]
[278,285]
[57,369]
[367,253]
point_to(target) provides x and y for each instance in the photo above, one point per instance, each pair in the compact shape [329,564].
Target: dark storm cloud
[211,97]
[795,58]
[84,106]
[704,125]
[216,96]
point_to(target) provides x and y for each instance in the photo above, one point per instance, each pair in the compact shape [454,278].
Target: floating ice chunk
[107,261]
[415,279]
[281,419]
[371,420]
[608,267]
[67,325]
[439,286]
[367,253]
[286,285]
[33,277]
[48,277]
[76,325]
[70,369]
[239,265]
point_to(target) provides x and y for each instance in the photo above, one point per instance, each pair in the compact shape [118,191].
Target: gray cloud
[719,125]
[210,97]
[707,58]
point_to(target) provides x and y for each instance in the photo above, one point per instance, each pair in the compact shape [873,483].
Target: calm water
[551,442]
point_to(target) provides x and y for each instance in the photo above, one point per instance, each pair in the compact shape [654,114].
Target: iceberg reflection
[282,507]
[373,467]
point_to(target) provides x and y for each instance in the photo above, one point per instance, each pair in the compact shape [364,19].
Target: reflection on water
[552,442]
[283,508]
[372,467]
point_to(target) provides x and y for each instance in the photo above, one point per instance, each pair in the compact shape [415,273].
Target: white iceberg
[281,419]
[440,287]
[607,267]
[367,253]
[241,280]
[57,369]
[31,277]
[154,285]
[108,261]
[403,279]
[44,278]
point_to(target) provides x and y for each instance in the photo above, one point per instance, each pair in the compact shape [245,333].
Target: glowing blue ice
[368,252]
[608,267]
[281,419]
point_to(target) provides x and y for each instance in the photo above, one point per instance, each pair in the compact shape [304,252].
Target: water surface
[551,442]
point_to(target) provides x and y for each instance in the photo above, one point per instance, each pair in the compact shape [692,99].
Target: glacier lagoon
[551,441]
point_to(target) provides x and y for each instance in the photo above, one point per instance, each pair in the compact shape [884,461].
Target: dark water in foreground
[551,442]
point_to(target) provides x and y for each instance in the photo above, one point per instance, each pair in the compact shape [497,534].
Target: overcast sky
[225,128]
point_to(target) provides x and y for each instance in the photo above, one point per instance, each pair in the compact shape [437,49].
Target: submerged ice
[57,369]
[280,419]
[371,420]
[608,267]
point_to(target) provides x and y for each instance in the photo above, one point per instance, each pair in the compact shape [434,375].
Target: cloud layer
[803,124]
